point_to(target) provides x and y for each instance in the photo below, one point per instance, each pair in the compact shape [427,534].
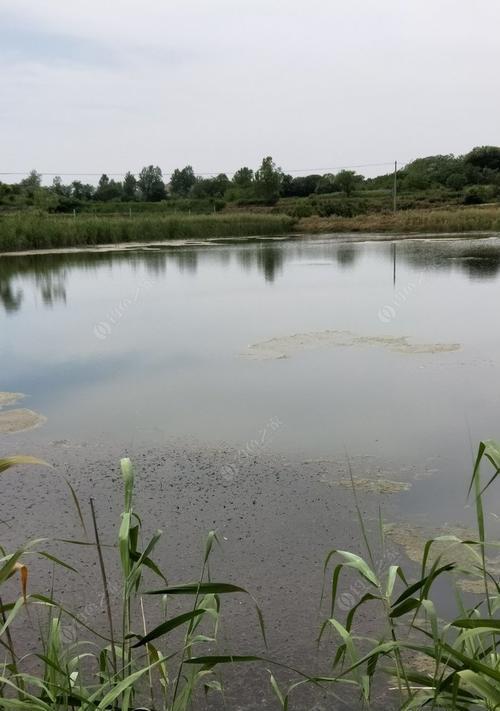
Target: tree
[268,180]
[303,186]
[45,199]
[32,182]
[82,191]
[243,177]
[347,181]
[210,187]
[59,188]
[484,157]
[326,184]
[151,184]
[182,181]
[129,187]
[430,171]
[456,181]
[220,184]
[108,189]
[286,189]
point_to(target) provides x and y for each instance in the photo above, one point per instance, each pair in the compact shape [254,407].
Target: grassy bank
[471,219]
[28,231]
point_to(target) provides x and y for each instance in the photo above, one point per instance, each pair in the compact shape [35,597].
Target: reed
[27,231]
[106,670]
[462,653]
[473,219]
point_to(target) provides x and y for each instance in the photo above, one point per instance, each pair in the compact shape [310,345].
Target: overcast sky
[112,85]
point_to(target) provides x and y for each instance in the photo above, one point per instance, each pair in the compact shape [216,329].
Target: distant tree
[484,157]
[220,184]
[130,187]
[31,182]
[347,181]
[45,199]
[303,186]
[326,184]
[103,183]
[431,171]
[456,181]
[268,180]
[210,187]
[286,185]
[182,181]
[108,189]
[243,177]
[151,184]
[59,188]
[82,191]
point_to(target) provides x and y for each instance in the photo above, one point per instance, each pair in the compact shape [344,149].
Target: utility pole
[395,188]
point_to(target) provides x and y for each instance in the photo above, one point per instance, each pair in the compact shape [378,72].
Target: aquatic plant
[27,231]
[108,669]
[431,662]
[459,219]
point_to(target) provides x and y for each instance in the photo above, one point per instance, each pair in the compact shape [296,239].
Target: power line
[212,174]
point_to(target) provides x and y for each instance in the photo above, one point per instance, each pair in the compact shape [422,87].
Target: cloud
[115,85]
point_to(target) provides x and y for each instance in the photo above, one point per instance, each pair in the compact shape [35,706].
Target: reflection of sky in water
[166,362]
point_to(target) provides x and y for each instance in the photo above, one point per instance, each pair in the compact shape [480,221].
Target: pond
[240,377]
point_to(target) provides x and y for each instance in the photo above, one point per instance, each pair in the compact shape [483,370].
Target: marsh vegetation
[430,661]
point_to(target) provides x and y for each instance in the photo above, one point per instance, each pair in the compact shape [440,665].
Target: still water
[240,377]
[151,344]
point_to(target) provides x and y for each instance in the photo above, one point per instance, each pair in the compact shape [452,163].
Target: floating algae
[19,420]
[373,474]
[375,485]
[476,586]
[467,557]
[9,398]
[284,347]
[414,538]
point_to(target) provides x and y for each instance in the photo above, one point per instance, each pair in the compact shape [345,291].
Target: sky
[113,85]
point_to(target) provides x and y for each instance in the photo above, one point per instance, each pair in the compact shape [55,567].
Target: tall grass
[461,656]
[107,669]
[462,653]
[26,231]
[473,219]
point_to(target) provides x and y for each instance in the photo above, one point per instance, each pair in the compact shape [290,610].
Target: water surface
[138,346]
[162,354]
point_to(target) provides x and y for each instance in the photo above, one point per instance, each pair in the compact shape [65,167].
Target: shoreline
[344,237]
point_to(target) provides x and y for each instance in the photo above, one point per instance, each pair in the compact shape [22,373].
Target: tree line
[479,167]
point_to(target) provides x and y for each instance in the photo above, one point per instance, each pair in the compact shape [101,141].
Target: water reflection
[478,259]
[347,254]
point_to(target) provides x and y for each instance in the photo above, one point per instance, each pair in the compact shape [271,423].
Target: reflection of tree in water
[270,261]
[347,254]
[481,267]
[268,258]
[245,258]
[10,297]
[186,259]
[48,273]
[478,261]
[52,288]
[49,281]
